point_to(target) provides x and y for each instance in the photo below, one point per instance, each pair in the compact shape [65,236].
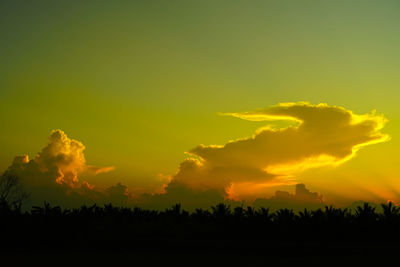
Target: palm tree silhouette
[284,216]
[389,210]
[365,213]
[221,211]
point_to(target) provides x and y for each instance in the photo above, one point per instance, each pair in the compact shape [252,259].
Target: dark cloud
[175,193]
[302,198]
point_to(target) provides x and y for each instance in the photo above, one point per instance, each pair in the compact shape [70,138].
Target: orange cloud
[318,135]
[98,170]
[322,135]
[53,174]
[65,157]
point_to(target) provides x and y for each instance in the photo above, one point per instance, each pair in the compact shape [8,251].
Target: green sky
[140,82]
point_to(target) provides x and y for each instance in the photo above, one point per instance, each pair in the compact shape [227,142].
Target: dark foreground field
[221,236]
[165,253]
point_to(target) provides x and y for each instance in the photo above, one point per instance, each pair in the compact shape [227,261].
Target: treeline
[90,224]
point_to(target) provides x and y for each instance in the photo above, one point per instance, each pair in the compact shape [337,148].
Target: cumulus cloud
[53,174]
[319,135]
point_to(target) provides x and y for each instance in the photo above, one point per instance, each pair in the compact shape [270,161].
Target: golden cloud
[317,135]
[53,174]
[66,156]
[321,135]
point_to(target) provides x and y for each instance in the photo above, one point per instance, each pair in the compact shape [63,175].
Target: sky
[139,83]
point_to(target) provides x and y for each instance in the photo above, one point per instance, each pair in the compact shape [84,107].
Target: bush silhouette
[47,224]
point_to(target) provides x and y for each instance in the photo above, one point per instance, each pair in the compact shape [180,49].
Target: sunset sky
[139,83]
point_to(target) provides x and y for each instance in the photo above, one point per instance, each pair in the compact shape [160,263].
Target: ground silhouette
[219,236]
[87,224]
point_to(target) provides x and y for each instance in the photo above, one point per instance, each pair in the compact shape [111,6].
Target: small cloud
[98,170]
[302,198]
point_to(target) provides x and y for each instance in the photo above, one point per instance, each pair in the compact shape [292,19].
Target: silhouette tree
[284,216]
[305,216]
[250,212]
[265,214]
[176,210]
[111,223]
[389,211]
[12,194]
[48,211]
[366,214]
[238,212]
[221,211]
